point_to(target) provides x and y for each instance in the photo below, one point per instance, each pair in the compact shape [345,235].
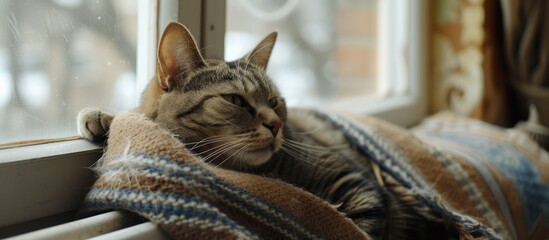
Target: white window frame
[43,180]
[404,108]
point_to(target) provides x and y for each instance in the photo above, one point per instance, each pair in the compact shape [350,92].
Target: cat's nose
[273,126]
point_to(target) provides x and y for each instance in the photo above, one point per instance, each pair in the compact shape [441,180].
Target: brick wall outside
[355,46]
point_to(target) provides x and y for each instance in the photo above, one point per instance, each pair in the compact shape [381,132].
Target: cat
[232,116]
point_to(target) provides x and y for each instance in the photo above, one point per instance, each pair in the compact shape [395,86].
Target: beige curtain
[468,75]
[490,59]
[457,48]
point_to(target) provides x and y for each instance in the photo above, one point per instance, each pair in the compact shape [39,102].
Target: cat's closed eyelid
[195,107]
[239,101]
[235,99]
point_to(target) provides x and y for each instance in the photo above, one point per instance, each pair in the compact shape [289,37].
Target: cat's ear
[178,55]
[262,52]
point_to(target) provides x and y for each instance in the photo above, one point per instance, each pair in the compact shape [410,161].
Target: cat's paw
[93,124]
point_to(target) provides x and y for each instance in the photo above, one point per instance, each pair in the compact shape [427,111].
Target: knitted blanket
[498,191]
[145,170]
[499,176]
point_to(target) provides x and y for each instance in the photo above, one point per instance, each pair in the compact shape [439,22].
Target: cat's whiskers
[306,152]
[311,148]
[206,138]
[207,141]
[221,150]
[293,153]
[238,157]
[316,146]
[227,149]
[204,142]
[308,158]
[232,124]
[214,149]
[237,151]
[212,139]
[302,153]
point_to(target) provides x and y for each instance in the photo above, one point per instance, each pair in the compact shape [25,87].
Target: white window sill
[405,111]
[43,180]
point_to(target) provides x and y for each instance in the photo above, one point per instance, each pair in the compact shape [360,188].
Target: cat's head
[229,113]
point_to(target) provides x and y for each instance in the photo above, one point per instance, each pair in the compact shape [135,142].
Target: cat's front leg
[93,124]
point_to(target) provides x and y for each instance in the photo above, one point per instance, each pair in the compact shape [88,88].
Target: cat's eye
[273,102]
[235,99]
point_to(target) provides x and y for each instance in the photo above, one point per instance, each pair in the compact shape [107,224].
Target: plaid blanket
[147,171]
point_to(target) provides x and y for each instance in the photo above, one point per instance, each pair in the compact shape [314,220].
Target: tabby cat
[231,115]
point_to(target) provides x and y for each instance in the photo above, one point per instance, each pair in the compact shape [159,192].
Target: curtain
[496,105]
[457,74]
[490,60]
[526,49]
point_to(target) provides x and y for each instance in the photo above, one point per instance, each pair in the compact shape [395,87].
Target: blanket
[499,189]
[499,176]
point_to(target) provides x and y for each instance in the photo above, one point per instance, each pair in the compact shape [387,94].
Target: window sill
[44,180]
[405,111]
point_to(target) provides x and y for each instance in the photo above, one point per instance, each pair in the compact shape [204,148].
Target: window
[330,53]
[78,53]
[57,57]
[326,50]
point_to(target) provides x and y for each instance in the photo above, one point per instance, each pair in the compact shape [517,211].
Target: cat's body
[232,116]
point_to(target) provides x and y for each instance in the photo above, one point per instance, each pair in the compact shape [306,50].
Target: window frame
[206,19]
[407,108]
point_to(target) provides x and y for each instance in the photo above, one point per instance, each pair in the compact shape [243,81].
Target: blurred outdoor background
[59,56]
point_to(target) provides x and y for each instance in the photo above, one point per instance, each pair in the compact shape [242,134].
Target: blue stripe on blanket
[373,148]
[269,214]
[514,165]
[164,207]
[190,175]
[474,194]
[398,167]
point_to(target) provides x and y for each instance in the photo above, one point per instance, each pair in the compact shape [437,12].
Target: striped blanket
[491,183]
[501,175]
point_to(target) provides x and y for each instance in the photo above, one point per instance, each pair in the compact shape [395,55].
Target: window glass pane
[326,50]
[59,56]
